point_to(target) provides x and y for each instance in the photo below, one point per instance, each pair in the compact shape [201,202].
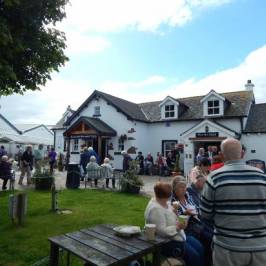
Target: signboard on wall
[207,134]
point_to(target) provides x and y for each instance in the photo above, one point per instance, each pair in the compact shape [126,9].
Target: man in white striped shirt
[234,199]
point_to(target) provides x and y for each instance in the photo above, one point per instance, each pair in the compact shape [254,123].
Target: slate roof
[101,127]
[238,104]
[129,109]
[256,122]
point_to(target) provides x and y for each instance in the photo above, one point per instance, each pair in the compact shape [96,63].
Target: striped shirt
[234,199]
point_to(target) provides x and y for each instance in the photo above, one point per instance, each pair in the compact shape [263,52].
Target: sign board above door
[207,134]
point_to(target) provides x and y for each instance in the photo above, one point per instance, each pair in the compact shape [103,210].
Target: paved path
[60,181]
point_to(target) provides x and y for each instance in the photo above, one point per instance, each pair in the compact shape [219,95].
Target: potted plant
[42,178]
[130,181]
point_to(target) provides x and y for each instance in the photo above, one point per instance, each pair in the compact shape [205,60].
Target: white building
[23,134]
[111,124]
[59,129]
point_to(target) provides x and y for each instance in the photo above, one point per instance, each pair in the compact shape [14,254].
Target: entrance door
[205,144]
[104,150]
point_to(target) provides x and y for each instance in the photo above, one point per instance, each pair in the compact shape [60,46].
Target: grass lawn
[26,245]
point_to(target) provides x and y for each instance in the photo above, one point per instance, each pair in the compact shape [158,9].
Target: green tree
[30,47]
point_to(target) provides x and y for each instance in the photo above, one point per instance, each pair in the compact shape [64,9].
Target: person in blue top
[92,152]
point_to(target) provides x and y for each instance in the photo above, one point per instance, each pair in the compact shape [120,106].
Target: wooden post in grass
[54,193]
[18,207]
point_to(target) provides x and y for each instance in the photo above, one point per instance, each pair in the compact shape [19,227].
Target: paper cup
[150,230]
[182,219]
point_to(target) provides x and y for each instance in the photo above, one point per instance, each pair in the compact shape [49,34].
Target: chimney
[249,86]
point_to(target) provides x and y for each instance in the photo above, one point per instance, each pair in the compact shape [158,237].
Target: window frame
[213,108]
[171,112]
[97,110]
[75,145]
[164,143]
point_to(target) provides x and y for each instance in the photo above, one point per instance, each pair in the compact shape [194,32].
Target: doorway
[205,144]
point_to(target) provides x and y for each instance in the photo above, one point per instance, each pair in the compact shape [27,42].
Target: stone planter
[43,183]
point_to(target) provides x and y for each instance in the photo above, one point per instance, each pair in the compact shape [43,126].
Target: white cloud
[233,79]
[78,43]
[87,20]
[143,15]
[48,105]
[116,86]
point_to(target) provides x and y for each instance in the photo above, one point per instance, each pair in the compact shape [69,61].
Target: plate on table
[127,230]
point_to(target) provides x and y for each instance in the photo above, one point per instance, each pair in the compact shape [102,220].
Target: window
[169,111]
[213,107]
[121,144]
[168,146]
[97,111]
[76,145]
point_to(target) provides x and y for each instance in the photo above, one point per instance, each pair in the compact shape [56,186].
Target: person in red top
[217,163]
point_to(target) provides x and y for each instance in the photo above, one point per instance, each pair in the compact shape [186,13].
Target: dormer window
[169,111]
[213,107]
[97,111]
[169,108]
[213,104]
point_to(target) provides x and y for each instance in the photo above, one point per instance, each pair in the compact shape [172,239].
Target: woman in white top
[161,213]
[108,172]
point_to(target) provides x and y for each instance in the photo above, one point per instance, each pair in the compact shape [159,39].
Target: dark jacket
[5,170]
[126,161]
[27,157]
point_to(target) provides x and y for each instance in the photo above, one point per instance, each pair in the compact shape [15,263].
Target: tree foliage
[30,47]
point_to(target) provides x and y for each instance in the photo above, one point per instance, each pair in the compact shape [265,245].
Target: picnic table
[101,246]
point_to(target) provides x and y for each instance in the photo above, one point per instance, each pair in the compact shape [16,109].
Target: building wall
[232,123]
[166,131]
[59,141]
[121,124]
[41,135]
[256,146]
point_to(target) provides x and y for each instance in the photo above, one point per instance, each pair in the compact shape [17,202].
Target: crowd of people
[25,160]
[219,218]
[147,165]
[92,169]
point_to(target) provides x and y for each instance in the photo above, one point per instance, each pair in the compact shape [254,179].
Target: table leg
[54,255]
[156,257]
[68,258]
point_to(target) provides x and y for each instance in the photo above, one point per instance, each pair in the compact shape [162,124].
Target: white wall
[257,143]
[59,140]
[120,124]
[159,131]
[40,135]
[233,124]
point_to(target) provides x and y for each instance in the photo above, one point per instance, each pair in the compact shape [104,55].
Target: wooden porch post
[100,147]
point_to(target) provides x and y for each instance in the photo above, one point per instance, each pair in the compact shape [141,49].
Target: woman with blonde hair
[161,213]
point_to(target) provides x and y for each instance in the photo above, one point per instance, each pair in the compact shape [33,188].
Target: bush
[130,181]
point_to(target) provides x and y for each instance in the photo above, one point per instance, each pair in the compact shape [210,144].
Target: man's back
[235,198]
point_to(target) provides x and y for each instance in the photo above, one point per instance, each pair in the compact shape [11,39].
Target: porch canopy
[91,126]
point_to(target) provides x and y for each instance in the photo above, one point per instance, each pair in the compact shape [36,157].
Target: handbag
[195,227]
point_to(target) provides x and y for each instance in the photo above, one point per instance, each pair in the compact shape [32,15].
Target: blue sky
[144,50]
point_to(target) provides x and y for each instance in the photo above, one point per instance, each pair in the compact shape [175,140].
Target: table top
[100,245]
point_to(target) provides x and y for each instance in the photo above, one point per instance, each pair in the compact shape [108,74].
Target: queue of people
[219,219]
